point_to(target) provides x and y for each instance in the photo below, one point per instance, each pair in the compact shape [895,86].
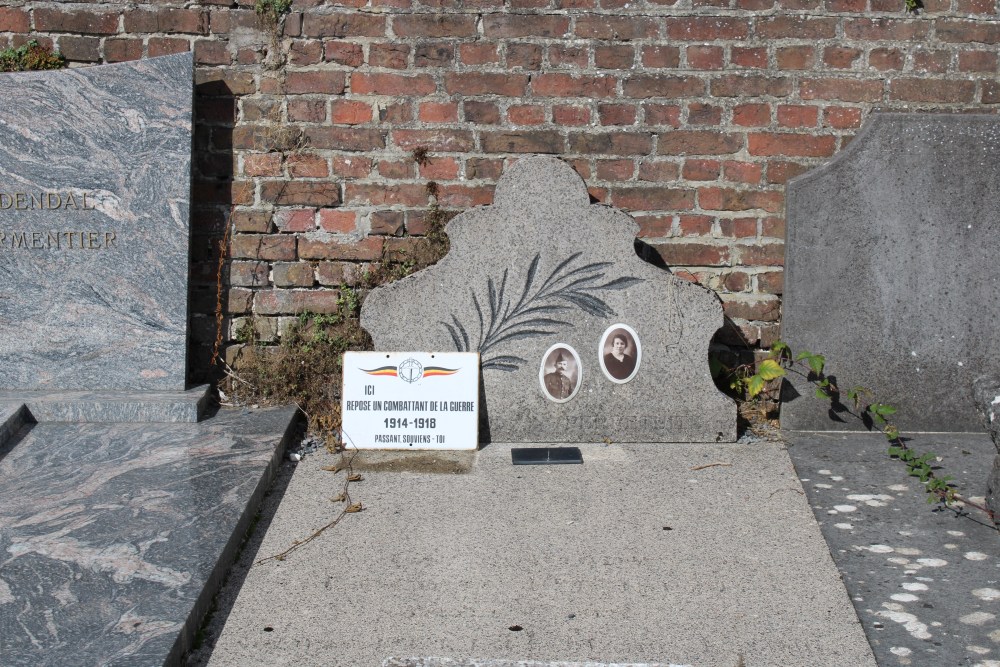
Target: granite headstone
[986,393]
[94,233]
[891,270]
[580,340]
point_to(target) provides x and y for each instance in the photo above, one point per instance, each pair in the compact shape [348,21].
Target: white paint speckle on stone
[988,663]
[977,618]
[823,486]
[978,650]
[932,562]
[956,533]
[899,487]
[975,555]
[825,472]
[879,548]
[835,478]
[904,597]
[845,508]
[914,586]
[909,622]
[995,636]
[908,551]
[843,526]
[987,594]
[899,561]
[901,651]
[951,546]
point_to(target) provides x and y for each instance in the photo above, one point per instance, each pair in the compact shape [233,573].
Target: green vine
[272,10]
[749,381]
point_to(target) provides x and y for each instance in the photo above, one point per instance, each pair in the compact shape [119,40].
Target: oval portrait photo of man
[620,353]
[561,373]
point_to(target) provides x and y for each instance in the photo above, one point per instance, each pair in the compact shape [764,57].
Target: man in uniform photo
[558,383]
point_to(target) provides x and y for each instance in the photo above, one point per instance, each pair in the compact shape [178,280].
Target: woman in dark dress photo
[619,363]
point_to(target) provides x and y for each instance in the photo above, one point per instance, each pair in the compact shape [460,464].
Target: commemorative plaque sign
[410,400]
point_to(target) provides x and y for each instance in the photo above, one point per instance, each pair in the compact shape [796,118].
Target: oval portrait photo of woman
[620,353]
[560,373]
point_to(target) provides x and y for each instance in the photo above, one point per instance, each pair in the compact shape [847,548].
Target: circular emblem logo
[411,370]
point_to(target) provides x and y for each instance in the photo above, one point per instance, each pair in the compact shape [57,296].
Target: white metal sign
[410,400]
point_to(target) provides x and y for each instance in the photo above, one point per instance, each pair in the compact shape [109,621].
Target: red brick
[977,61]
[661,56]
[337,221]
[931,61]
[654,226]
[333,274]
[262,246]
[792,145]
[396,112]
[438,112]
[768,254]
[797,115]
[225,21]
[796,27]
[932,90]
[343,53]
[603,26]
[296,301]
[323,81]
[212,52]
[840,57]
[701,170]
[662,114]
[507,26]
[615,56]
[727,199]
[486,83]
[525,114]
[843,90]
[524,56]
[773,227]
[762,311]
[262,164]
[694,225]
[14,20]
[704,114]
[693,254]
[567,85]
[705,28]
[755,5]
[658,171]
[617,114]
[699,142]
[80,49]
[434,25]
[952,30]
[293,274]
[615,170]
[240,301]
[771,282]
[659,85]
[301,193]
[465,196]
[302,52]
[562,55]
[83,22]
[749,56]
[705,57]
[483,113]
[345,138]
[526,141]
[167,20]
[991,92]
[886,59]
[371,83]
[883,28]
[856,6]
[653,198]
[164,46]
[251,221]
[248,274]
[752,115]
[842,118]
[478,53]
[611,143]
[377,194]
[736,281]
[351,167]
[443,140]
[396,169]
[795,57]
[976,7]
[310,111]
[742,172]
[391,56]
[304,165]
[119,50]
[489,168]
[350,112]
[751,85]
[570,115]
[351,25]
[779,172]
[439,168]
[295,219]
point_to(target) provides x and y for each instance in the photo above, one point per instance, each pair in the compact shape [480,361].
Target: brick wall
[690,114]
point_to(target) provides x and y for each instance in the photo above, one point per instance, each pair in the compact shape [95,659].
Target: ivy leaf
[755,385]
[779,348]
[816,363]
[770,370]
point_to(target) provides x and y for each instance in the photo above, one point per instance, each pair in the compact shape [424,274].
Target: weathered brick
[295,301]
[345,138]
[617,114]
[977,61]
[653,198]
[372,83]
[483,113]
[524,56]
[343,53]
[767,254]
[337,221]
[378,194]
[614,56]
[262,246]
[525,114]
[843,90]
[611,143]
[700,113]
[796,27]
[842,118]
[478,53]
[80,49]
[562,55]
[660,85]
[86,22]
[391,56]
[438,112]
[251,221]
[350,166]
[797,115]
[841,57]
[658,171]
[486,83]
[936,61]
[621,28]
[444,140]
[795,57]
[433,54]
[780,171]
[792,145]
[262,164]
[654,226]
[465,196]
[768,310]
[771,282]
[568,85]
[324,247]
[301,193]
[751,85]
[119,50]
[488,168]
[728,199]
[310,111]
[216,81]
[705,57]
[701,170]
[662,114]
[305,52]
[13,19]
[295,220]
[698,142]
[752,115]
[932,90]
[344,25]
[434,25]
[307,165]
[338,273]
[692,254]
[884,59]
[507,26]
[350,112]
[165,46]
[888,29]
[749,56]
[525,141]
[167,20]
[991,92]
[704,28]
[661,56]
[742,172]
[293,274]
[248,274]
[570,115]
[321,81]
[212,52]
[615,170]
[396,169]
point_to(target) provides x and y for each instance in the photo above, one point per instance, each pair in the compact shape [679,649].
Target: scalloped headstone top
[580,340]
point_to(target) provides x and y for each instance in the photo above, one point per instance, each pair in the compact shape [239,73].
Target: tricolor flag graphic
[384,370]
[438,370]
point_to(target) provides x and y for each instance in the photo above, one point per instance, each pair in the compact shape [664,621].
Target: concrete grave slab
[986,392]
[541,275]
[113,407]
[891,270]
[94,191]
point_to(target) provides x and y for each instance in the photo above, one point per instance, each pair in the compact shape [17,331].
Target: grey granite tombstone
[892,272]
[94,189]
[543,272]
[986,393]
